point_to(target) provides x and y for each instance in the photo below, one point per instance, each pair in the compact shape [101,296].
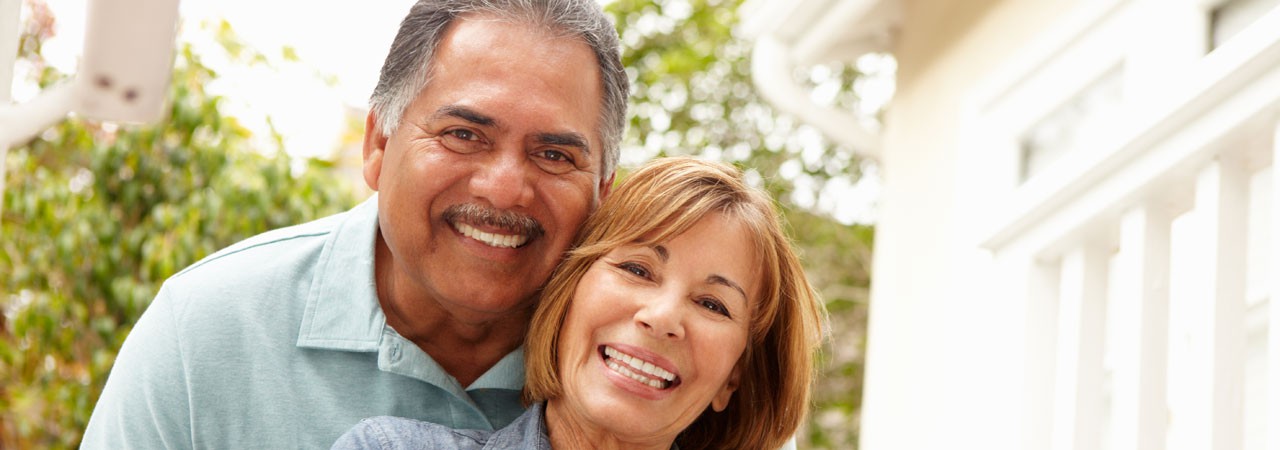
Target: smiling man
[493,133]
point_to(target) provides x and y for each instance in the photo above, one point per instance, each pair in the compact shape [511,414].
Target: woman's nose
[660,316]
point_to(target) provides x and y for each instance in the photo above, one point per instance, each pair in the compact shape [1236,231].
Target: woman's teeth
[637,369]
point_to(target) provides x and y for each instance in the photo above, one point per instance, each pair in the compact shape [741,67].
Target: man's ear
[721,400]
[375,145]
[606,185]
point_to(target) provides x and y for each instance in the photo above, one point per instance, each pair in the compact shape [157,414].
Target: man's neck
[466,343]
[465,348]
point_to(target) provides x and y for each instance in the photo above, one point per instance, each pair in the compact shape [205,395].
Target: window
[1066,127]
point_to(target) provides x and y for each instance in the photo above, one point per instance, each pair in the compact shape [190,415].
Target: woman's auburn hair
[776,371]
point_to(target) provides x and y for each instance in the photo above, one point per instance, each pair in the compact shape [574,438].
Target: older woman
[684,317]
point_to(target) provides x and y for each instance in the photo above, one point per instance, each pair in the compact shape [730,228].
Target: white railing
[1146,261]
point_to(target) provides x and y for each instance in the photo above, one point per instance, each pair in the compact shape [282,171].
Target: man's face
[492,170]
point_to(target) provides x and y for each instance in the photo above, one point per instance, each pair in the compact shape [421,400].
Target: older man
[493,132]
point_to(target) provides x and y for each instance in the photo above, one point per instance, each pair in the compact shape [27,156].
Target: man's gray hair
[407,69]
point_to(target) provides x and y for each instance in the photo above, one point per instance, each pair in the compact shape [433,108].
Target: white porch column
[1273,299]
[1221,207]
[1139,413]
[1077,403]
[1038,283]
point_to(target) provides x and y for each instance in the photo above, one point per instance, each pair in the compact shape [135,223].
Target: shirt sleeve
[145,401]
[398,433]
[365,435]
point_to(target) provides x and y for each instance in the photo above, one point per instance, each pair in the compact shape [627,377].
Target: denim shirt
[527,432]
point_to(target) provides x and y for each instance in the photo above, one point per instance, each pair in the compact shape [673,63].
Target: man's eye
[464,134]
[462,140]
[714,305]
[555,155]
[554,161]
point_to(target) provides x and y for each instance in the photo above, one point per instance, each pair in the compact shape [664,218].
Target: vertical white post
[1078,406]
[10,32]
[1040,346]
[1221,207]
[1273,304]
[1139,412]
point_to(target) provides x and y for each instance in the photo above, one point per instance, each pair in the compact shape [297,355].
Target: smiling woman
[683,304]
[655,331]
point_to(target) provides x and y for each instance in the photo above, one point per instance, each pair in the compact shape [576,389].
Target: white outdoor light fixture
[123,74]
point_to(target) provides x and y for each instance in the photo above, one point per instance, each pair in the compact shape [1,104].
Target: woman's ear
[721,400]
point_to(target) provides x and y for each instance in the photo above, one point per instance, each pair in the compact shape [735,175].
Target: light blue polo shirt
[279,342]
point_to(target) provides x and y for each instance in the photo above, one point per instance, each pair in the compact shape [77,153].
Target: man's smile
[492,239]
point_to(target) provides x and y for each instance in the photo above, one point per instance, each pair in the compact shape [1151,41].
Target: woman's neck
[569,430]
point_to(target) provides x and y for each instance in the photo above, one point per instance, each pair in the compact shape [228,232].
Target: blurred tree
[693,95]
[97,215]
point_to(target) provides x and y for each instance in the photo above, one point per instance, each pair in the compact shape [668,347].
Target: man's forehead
[472,32]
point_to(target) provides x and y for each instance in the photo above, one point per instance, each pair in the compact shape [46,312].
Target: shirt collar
[508,373]
[342,310]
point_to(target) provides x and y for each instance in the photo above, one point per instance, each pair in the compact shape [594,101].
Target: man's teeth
[637,369]
[492,239]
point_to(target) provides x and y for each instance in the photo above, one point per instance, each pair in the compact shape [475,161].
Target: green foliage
[97,215]
[693,95]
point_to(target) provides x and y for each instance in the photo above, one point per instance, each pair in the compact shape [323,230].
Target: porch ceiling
[791,34]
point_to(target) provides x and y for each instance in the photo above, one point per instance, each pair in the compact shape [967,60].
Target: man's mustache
[474,214]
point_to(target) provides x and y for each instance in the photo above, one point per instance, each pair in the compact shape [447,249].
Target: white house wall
[944,349]
[1118,300]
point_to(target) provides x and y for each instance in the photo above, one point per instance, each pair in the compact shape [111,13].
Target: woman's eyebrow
[717,279]
[662,252]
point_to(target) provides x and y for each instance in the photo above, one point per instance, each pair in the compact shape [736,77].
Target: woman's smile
[642,371]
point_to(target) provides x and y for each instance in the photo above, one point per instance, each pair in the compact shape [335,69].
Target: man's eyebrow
[717,279]
[570,139]
[464,113]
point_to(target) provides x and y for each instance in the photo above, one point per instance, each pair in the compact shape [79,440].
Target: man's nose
[505,180]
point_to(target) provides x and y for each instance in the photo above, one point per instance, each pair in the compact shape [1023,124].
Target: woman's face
[654,332]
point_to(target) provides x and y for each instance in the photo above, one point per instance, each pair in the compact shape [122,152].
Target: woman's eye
[714,306]
[635,269]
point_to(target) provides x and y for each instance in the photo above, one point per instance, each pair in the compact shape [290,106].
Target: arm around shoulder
[145,401]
